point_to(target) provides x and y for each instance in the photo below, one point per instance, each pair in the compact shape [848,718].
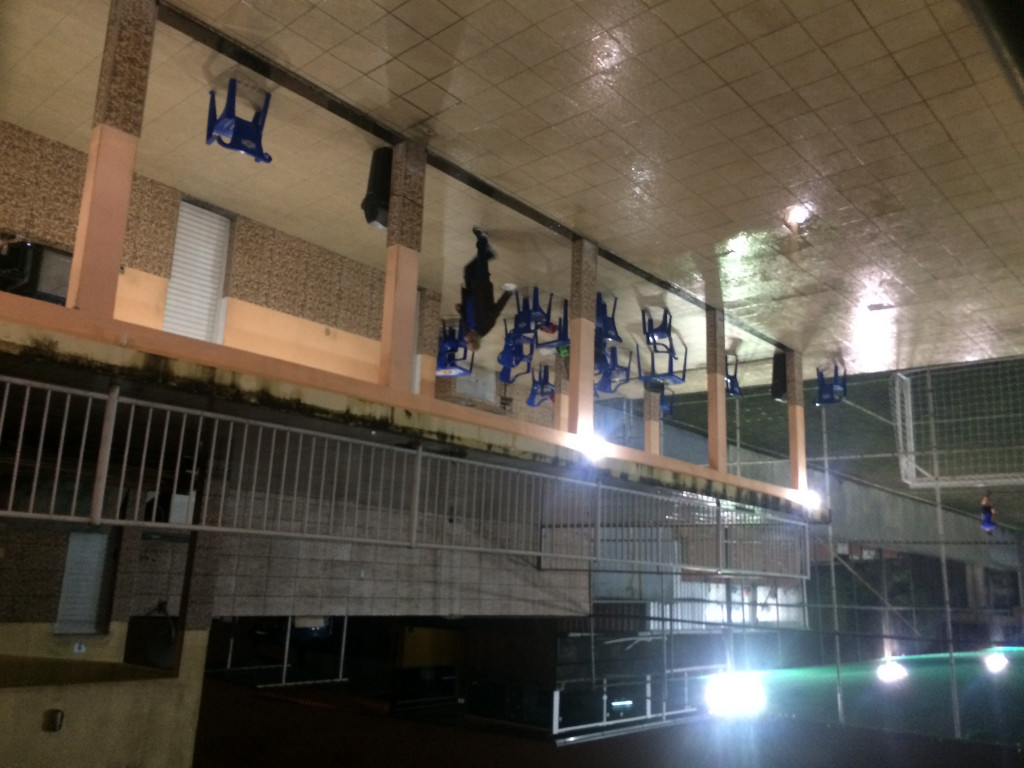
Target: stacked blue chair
[732,382]
[542,391]
[452,352]
[232,132]
[831,392]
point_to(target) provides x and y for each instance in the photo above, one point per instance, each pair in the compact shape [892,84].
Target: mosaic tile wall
[289,275]
[40,193]
[40,187]
[31,573]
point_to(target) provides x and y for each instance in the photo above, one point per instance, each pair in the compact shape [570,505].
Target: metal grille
[118,460]
[961,425]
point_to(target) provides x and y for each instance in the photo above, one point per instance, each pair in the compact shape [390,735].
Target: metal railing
[629,700]
[107,459]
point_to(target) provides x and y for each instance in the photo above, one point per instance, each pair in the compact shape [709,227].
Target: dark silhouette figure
[479,310]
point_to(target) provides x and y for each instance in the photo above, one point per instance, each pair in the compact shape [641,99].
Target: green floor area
[991,705]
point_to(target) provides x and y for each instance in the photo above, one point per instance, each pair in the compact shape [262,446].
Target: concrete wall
[266,576]
[147,723]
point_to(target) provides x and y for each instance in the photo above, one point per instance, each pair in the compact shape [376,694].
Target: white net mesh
[961,425]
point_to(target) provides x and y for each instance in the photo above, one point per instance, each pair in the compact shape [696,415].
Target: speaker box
[378,189]
[779,392]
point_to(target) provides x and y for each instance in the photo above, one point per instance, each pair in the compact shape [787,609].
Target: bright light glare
[735,694]
[622,704]
[797,215]
[810,500]
[740,245]
[593,446]
[996,662]
[891,672]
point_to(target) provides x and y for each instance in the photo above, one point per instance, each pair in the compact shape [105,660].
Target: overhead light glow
[622,704]
[891,671]
[592,446]
[996,662]
[740,245]
[809,500]
[735,694]
[797,215]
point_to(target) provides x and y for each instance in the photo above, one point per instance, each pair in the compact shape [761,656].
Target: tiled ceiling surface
[673,133]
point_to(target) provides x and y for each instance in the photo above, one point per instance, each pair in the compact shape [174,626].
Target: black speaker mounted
[378,189]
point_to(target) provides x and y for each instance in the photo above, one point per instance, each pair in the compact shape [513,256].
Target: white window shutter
[83,592]
[195,289]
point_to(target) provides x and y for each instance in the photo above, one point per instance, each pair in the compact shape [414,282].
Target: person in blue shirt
[479,310]
[987,511]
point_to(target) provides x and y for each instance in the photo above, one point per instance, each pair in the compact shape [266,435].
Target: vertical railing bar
[295,481]
[160,463]
[358,489]
[39,453]
[444,512]
[3,422]
[177,464]
[284,478]
[267,495]
[139,501]
[328,443]
[122,504]
[380,493]
[224,477]
[286,467]
[348,482]
[334,489]
[81,456]
[99,487]
[190,509]
[295,484]
[208,476]
[17,449]
[60,453]
[270,465]
[254,466]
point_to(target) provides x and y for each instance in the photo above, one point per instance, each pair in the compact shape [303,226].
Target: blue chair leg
[211,118]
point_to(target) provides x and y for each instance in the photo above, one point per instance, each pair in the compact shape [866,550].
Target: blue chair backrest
[830,393]
[543,390]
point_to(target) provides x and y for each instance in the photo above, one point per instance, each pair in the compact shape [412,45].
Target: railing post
[414,507]
[556,703]
[99,487]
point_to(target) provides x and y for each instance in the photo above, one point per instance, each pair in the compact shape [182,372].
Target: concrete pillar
[652,422]
[718,447]
[117,124]
[429,330]
[582,313]
[399,337]
[797,431]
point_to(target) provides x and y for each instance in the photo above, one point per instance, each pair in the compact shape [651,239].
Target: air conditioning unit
[174,508]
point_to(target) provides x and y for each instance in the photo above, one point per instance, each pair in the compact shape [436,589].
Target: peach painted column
[429,328]
[399,335]
[117,124]
[797,433]
[582,313]
[718,447]
[652,422]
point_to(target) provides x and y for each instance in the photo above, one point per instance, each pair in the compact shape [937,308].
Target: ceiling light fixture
[797,215]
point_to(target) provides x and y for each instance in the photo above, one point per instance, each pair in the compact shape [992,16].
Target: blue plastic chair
[830,393]
[732,382]
[232,132]
[542,391]
[561,340]
[451,351]
[613,375]
[670,375]
[604,323]
[659,337]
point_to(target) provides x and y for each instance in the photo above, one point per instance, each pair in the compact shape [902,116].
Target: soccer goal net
[960,425]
